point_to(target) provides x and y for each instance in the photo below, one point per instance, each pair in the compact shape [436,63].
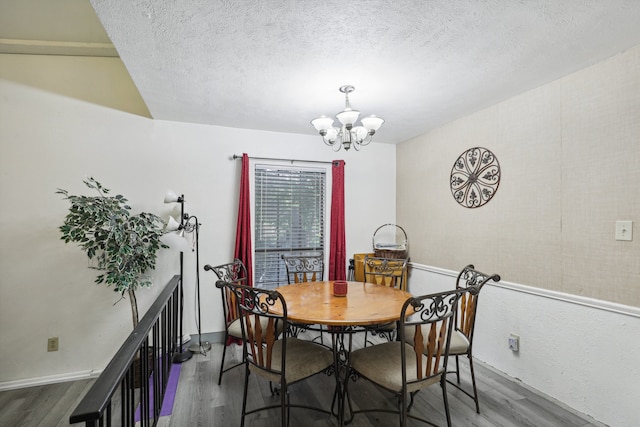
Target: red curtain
[243,230]
[337,245]
[242,250]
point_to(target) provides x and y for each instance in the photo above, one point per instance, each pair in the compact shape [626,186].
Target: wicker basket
[390,241]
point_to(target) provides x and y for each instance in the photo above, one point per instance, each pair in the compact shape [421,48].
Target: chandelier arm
[361,142]
[337,143]
[367,140]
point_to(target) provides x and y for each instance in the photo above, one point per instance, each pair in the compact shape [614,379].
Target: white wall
[580,351]
[49,141]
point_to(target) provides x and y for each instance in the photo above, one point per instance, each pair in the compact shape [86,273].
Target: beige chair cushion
[304,358]
[235,329]
[459,342]
[382,364]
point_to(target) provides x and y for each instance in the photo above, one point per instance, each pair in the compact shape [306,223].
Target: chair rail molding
[544,293]
[587,326]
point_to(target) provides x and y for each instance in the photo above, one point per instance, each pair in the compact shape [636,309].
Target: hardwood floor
[503,402]
[43,406]
[201,402]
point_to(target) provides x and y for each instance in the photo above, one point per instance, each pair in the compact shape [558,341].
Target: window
[289,218]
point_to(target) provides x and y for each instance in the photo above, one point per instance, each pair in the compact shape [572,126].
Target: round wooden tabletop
[364,304]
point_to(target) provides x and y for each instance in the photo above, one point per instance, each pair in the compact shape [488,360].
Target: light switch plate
[624,230]
[514,343]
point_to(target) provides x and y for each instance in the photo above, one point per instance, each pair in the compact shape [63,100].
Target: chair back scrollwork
[426,324]
[263,312]
[390,272]
[232,272]
[473,281]
[304,268]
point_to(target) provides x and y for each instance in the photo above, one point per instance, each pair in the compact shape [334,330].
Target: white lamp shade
[348,117]
[332,134]
[172,224]
[171,197]
[322,123]
[360,133]
[175,241]
[372,123]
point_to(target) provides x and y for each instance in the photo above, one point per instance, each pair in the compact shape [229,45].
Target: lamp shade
[360,133]
[332,134]
[348,117]
[322,123]
[172,224]
[175,241]
[171,197]
[372,123]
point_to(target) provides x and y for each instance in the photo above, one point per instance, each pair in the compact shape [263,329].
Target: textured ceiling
[277,64]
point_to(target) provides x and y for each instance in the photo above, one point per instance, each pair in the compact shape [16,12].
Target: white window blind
[289,218]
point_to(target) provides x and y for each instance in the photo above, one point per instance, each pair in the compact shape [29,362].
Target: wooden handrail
[160,323]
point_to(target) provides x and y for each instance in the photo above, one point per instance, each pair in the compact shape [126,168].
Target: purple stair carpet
[170,393]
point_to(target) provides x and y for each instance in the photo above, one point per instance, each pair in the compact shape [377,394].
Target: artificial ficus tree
[122,246]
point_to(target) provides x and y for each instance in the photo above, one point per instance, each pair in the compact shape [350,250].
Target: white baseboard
[587,418]
[213,337]
[50,379]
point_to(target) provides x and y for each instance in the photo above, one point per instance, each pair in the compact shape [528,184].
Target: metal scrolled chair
[386,271]
[233,272]
[462,339]
[283,361]
[302,269]
[417,360]
[390,272]
[471,281]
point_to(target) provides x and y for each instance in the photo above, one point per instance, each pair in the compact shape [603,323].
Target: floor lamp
[180,355]
[188,226]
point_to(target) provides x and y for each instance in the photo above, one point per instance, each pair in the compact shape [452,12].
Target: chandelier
[348,134]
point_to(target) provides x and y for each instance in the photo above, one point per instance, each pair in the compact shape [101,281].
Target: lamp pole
[200,347]
[181,355]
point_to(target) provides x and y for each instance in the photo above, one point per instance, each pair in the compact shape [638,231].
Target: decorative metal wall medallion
[475,177]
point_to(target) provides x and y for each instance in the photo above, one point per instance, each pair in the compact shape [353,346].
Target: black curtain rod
[235,157]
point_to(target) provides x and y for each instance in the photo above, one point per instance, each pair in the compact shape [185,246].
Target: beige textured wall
[569,153]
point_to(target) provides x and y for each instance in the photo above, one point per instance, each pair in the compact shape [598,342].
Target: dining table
[363,304]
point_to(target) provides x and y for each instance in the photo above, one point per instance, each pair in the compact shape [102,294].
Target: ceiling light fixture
[348,134]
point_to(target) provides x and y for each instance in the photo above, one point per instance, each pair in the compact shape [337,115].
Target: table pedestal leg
[341,368]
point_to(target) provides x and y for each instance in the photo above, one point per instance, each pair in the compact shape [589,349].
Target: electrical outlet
[624,230]
[52,344]
[514,343]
